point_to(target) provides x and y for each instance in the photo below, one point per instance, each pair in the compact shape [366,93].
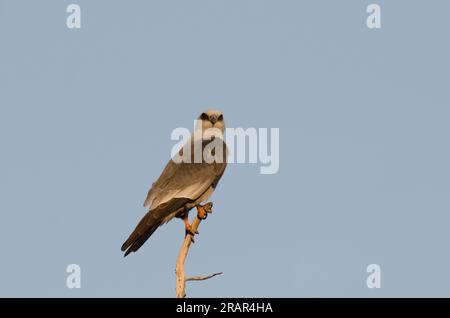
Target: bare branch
[179,271]
[181,276]
[188,279]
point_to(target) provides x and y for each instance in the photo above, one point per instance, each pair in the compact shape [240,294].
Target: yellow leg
[187,226]
[203,210]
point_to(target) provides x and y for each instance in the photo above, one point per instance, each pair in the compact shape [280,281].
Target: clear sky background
[85,123]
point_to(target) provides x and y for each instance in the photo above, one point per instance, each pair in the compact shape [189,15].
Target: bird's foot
[203,210]
[188,228]
[190,231]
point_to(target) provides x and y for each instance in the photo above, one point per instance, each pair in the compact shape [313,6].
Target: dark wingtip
[125,245]
[126,248]
[126,254]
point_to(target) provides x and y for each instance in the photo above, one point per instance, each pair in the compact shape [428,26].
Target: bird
[184,184]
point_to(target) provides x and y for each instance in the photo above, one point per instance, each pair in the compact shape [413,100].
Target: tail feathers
[143,231]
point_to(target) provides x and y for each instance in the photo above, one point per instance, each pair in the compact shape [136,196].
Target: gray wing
[178,184]
[185,180]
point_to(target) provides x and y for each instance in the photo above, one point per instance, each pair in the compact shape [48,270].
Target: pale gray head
[211,118]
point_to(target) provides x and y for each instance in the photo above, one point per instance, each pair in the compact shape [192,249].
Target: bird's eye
[203,116]
[220,118]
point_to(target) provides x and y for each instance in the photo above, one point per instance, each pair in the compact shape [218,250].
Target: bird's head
[211,118]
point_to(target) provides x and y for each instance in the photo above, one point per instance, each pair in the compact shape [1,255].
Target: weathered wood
[182,255]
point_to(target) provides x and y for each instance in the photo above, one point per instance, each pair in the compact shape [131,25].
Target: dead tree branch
[180,267]
[188,279]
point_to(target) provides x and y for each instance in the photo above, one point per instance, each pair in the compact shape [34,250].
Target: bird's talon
[189,230]
[208,207]
[203,210]
[201,213]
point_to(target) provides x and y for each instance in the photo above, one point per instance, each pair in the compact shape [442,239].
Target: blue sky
[85,124]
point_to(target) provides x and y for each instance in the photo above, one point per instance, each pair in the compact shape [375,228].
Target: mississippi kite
[186,184]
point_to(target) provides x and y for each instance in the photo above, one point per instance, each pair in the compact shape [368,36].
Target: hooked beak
[213,119]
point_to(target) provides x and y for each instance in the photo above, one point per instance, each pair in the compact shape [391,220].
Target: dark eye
[203,116]
[220,118]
